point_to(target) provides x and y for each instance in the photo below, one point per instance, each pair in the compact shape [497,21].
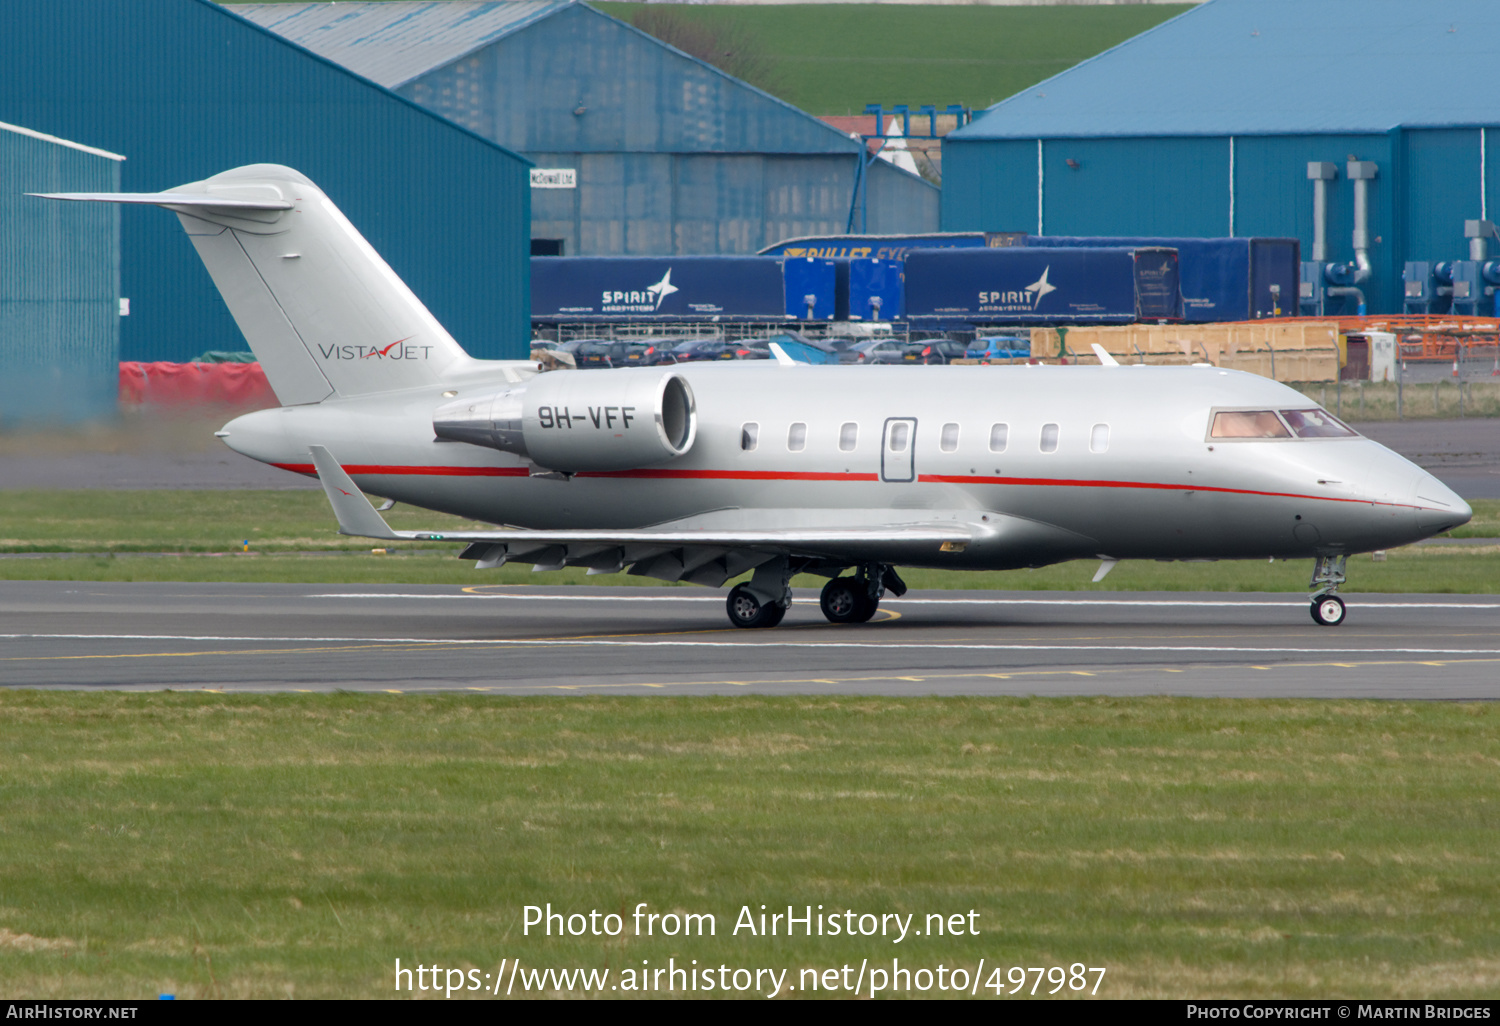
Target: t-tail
[323,313]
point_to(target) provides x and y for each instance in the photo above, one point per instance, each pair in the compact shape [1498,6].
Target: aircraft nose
[1439,509]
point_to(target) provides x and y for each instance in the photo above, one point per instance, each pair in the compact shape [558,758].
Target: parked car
[605,352]
[879,351]
[999,347]
[698,349]
[937,350]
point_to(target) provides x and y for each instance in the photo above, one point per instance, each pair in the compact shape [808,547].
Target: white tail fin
[323,313]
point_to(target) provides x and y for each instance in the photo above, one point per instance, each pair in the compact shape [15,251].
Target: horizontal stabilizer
[170,199]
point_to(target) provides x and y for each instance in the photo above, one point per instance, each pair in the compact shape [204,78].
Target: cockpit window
[1248,424]
[1316,424]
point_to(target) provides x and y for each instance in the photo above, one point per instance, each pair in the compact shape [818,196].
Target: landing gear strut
[1328,574]
[855,599]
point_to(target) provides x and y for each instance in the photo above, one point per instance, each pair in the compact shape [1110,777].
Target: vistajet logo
[647,300]
[398,350]
[1023,300]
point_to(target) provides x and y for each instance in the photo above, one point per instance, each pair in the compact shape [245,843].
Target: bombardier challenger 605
[706,472]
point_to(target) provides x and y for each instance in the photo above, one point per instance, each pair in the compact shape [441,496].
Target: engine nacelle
[574,421]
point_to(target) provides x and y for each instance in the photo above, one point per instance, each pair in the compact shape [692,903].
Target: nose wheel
[1328,574]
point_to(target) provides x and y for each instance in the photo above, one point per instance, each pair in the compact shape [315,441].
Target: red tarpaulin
[195,384]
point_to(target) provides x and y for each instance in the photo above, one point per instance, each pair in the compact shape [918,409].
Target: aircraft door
[898,451]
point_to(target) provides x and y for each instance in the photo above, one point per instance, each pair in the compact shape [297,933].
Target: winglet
[1104,358]
[781,356]
[356,515]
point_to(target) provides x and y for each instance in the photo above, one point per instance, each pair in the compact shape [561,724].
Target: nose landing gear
[1328,574]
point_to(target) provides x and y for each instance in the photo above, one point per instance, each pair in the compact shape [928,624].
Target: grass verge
[835,58]
[214,846]
[1363,401]
[1418,570]
[85,520]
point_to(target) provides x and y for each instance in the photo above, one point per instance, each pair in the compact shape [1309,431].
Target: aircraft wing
[708,548]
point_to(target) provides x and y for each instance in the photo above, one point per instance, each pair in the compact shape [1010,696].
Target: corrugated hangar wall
[1428,182]
[671,155]
[185,89]
[59,282]
[1103,149]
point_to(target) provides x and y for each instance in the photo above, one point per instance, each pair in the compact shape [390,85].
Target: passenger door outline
[898,465]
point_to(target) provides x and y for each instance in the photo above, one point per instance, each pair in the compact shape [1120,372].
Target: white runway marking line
[918,602]
[935,646]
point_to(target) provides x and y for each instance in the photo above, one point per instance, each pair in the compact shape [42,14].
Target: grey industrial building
[650,151]
[59,281]
[186,88]
[1211,123]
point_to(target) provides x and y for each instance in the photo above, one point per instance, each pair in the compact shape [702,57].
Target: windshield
[1250,424]
[1316,424]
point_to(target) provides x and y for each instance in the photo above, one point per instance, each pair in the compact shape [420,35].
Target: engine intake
[574,421]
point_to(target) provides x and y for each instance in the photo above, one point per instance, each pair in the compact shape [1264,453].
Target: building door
[898,453]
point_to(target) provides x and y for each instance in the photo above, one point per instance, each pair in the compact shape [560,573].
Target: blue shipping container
[875,290]
[657,288]
[1038,285]
[1228,279]
[810,286]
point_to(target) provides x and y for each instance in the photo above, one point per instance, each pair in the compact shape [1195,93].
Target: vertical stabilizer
[323,313]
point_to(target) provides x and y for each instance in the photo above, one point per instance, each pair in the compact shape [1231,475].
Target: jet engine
[573,421]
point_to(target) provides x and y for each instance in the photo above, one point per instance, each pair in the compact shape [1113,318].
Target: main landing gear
[765,598]
[1328,574]
[855,599]
[745,610]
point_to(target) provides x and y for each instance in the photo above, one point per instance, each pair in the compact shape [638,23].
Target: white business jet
[706,472]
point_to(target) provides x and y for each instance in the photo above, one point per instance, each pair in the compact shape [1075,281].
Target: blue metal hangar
[59,281]
[1234,117]
[640,149]
[186,88]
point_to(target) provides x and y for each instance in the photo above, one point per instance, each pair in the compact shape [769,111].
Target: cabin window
[796,437]
[900,433]
[1099,438]
[749,436]
[1049,438]
[949,438]
[848,437]
[1248,424]
[999,435]
[1316,424]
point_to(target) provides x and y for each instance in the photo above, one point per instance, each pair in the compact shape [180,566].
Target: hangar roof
[393,43]
[1272,67]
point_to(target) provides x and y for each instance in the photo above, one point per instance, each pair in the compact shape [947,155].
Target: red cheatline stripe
[732,475]
[1048,482]
[788,475]
[377,468]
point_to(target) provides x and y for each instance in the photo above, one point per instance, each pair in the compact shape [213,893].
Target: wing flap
[706,549]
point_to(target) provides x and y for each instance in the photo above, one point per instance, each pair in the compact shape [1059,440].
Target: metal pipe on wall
[1360,172]
[1320,172]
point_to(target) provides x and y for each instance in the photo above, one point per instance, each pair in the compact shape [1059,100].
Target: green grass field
[209,846]
[835,58]
[1365,401]
[128,530]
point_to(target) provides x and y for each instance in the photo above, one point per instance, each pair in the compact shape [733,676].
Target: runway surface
[671,641]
